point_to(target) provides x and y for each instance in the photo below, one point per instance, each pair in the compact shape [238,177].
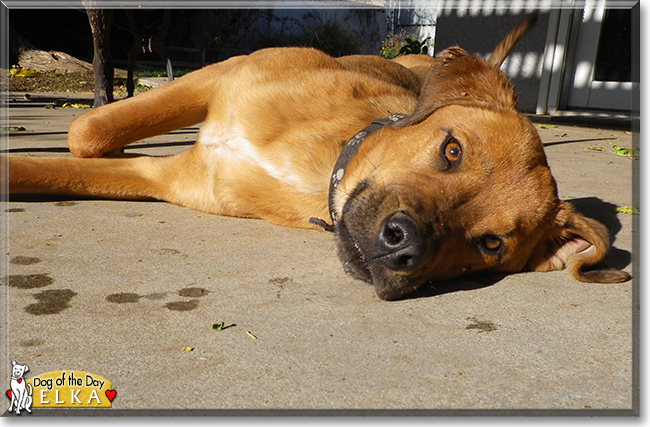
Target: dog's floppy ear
[458,78]
[573,243]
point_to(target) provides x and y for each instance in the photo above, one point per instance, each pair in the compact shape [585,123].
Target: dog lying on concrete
[450,180]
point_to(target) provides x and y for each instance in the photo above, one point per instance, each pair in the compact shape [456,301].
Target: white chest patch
[231,147]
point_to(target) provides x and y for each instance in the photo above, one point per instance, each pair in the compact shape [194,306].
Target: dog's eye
[491,244]
[451,151]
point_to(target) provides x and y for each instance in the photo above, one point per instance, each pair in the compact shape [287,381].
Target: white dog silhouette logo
[19,394]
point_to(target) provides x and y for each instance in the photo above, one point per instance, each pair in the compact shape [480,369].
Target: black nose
[400,245]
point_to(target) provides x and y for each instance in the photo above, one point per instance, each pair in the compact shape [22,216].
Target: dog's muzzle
[385,247]
[387,257]
[400,246]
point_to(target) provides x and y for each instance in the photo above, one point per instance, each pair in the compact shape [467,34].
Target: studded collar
[346,155]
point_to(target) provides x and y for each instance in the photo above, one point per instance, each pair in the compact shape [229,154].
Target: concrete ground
[120,289]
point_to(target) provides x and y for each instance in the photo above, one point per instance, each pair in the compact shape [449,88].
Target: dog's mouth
[347,248]
[350,253]
[386,250]
[393,274]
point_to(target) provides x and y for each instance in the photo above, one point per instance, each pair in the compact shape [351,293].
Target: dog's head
[460,186]
[17,370]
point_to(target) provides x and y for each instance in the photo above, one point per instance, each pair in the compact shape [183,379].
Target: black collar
[348,151]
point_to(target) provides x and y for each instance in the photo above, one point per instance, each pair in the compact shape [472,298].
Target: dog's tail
[505,46]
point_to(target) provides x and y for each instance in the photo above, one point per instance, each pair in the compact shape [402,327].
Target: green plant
[390,48]
[403,44]
[415,47]
[161,72]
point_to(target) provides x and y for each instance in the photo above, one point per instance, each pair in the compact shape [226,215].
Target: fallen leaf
[16,72]
[628,210]
[74,105]
[630,153]
[595,148]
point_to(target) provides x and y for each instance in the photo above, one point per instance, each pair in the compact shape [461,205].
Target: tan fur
[505,46]
[274,124]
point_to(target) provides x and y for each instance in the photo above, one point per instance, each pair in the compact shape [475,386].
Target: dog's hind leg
[183,102]
[181,179]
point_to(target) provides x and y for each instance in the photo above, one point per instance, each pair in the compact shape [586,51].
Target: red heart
[9,393]
[111,394]
[20,380]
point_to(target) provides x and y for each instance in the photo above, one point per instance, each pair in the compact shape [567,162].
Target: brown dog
[458,184]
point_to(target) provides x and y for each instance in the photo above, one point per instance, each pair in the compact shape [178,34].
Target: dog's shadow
[465,283]
[591,207]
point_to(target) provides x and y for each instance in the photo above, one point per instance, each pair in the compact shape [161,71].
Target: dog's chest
[17,383]
[229,150]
